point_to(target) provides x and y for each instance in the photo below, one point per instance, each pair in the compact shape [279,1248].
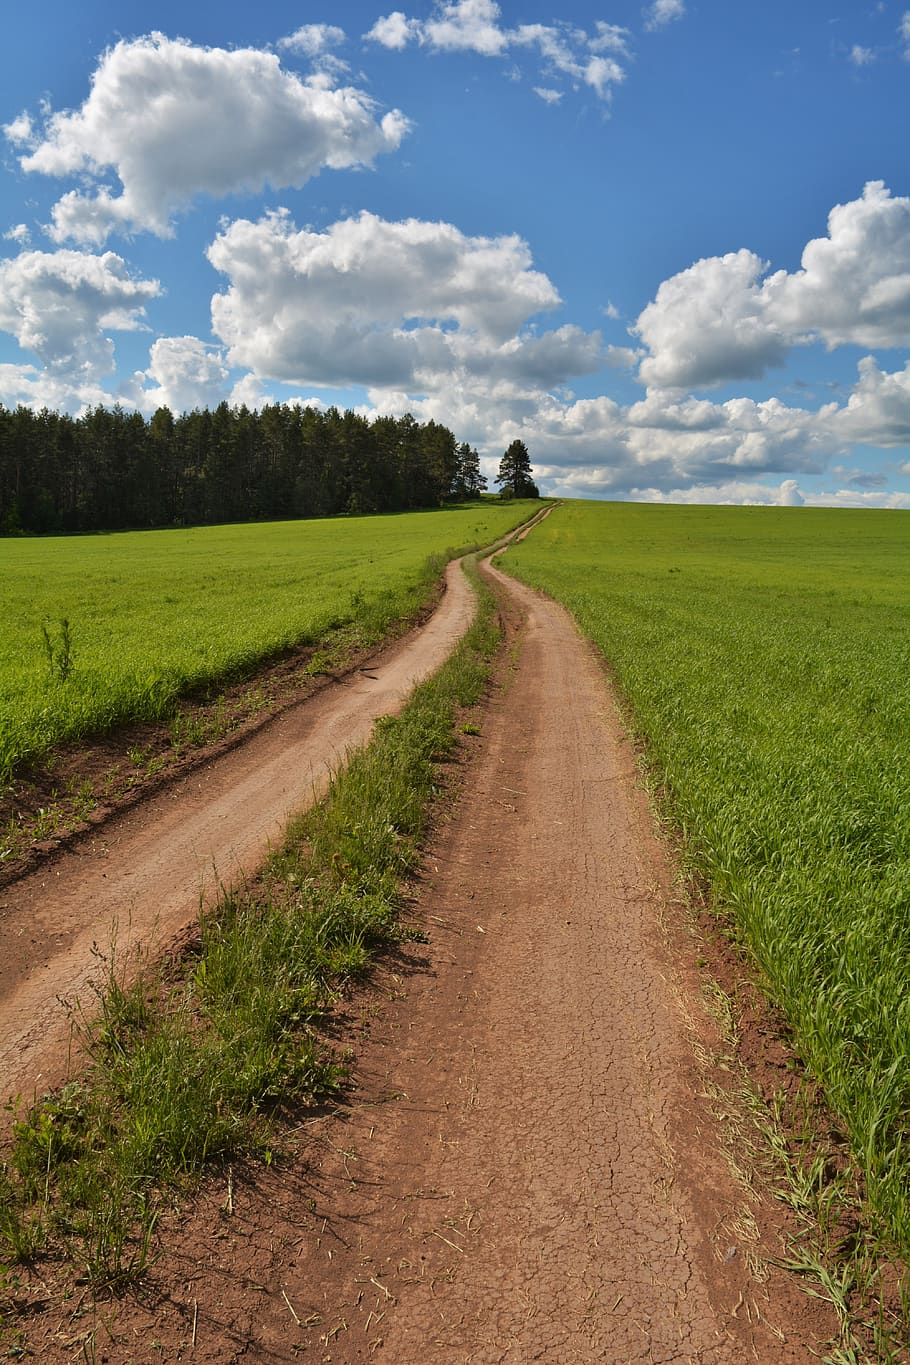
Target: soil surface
[138,879]
[528,1165]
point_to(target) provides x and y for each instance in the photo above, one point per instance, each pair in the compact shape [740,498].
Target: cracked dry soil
[526,1167]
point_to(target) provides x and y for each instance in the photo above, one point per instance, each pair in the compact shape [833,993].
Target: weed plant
[102,630]
[189,1071]
[765,656]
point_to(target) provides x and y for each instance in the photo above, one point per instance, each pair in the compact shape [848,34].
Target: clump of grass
[58,650]
[194,1069]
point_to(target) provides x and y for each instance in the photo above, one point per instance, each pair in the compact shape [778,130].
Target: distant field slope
[766,656]
[153,614]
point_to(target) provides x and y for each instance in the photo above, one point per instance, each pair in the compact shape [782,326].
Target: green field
[155,614]
[765,655]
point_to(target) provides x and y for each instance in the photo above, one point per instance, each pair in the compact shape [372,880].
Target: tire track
[138,881]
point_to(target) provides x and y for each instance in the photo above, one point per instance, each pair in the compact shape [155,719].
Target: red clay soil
[527,1166]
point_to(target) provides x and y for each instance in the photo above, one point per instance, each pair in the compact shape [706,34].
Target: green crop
[765,656]
[101,630]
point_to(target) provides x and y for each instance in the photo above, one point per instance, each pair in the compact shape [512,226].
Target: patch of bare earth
[527,1166]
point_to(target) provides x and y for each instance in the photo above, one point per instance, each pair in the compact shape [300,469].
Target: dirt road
[527,1168]
[141,877]
[544,1183]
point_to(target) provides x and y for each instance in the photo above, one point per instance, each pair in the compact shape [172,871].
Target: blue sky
[667,245]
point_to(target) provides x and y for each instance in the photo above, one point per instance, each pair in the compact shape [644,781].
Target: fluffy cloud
[395,31]
[20,132]
[854,285]
[905,32]
[663,12]
[598,447]
[861,56]
[442,325]
[37,388]
[669,444]
[466,26]
[393,305]
[720,320]
[61,304]
[708,324]
[878,410]
[174,121]
[312,40]
[186,374]
[475,26]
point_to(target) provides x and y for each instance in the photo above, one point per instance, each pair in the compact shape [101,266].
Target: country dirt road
[548,1185]
[527,1167]
[140,878]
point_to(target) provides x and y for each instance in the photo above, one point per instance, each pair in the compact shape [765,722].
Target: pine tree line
[114,470]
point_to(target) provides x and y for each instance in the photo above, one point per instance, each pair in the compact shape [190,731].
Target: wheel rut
[529,1171]
[138,881]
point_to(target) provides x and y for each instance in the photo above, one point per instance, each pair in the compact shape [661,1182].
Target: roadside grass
[105,630]
[764,656]
[195,1065]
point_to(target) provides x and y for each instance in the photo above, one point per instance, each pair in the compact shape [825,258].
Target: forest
[110,469]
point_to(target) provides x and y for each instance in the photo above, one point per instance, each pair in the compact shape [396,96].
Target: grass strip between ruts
[191,1068]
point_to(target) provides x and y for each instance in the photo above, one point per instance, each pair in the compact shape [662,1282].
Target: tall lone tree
[514,475]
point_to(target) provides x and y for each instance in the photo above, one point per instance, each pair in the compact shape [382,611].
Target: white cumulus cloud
[708,324]
[395,31]
[476,26]
[61,305]
[37,388]
[173,120]
[185,374]
[725,318]
[21,131]
[432,321]
[388,304]
[466,26]
[878,410]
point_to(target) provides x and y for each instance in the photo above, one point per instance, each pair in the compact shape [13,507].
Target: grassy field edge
[726,633]
[73,786]
[102,632]
[195,1066]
